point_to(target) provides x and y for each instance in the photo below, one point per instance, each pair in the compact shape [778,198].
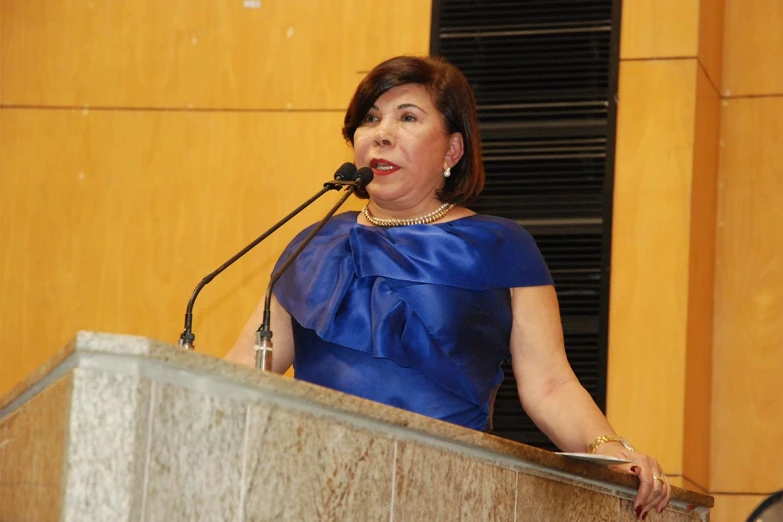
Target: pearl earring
[447,172]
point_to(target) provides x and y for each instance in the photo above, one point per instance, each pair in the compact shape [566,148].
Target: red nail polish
[634,469]
[638,511]
[644,516]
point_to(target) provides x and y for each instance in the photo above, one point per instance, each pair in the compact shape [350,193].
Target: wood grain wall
[142,144]
[747,428]
[285,54]
[696,335]
[754,49]
[664,233]
[650,238]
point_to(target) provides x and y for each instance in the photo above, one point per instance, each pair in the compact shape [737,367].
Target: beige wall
[696,335]
[145,143]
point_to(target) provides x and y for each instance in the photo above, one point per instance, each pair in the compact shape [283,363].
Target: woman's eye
[370,118]
[409,117]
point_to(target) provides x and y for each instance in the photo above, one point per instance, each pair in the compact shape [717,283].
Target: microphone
[360,177]
[346,171]
[263,346]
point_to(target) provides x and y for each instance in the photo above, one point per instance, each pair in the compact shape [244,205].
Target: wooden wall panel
[711,39]
[735,508]
[660,29]
[687,484]
[294,54]
[748,355]
[683,482]
[110,218]
[650,248]
[698,365]
[753,48]
[731,428]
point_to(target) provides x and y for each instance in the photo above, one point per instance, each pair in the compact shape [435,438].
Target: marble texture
[195,456]
[670,514]
[431,484]
[106,447]
[100,344]
[333,471]
[540,499]
[159,433]
[32,447]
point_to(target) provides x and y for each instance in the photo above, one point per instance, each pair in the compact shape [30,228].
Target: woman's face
[403,139]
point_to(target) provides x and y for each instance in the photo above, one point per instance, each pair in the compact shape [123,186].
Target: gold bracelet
[608,438]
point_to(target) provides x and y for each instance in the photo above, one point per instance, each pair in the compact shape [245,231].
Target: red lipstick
[382,167]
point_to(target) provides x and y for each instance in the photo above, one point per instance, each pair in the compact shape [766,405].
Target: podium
[120,428]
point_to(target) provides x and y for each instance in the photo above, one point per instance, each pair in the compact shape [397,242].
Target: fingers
[658,493]
[667,496]
[654,488]
[645,489]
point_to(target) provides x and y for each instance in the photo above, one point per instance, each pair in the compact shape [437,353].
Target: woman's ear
[455,150]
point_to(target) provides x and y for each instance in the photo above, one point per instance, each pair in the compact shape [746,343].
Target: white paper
[603,460]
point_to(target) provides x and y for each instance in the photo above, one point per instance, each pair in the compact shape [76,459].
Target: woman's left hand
[654,488]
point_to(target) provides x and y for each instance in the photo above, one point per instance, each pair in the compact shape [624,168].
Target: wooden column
[660,342]
[747,425]
[697,286]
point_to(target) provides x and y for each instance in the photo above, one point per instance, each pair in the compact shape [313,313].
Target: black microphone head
[346,172]
[363,176]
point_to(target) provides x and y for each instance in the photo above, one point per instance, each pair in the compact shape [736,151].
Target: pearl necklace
[421,220]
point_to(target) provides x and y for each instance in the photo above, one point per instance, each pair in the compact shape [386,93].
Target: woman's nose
[384,136]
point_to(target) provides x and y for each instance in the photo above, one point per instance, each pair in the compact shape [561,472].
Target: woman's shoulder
[505,250]
[339,224]
[494,226]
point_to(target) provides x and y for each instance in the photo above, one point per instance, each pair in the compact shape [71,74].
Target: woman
[416,301]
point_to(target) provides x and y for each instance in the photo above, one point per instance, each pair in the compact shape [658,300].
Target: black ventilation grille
[498,116]
[544,73]
[554,178]
[498,15]
[575,264]
[533,67]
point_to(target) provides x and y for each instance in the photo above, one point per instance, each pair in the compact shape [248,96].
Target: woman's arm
[282,338]
[555,399]
[548,388]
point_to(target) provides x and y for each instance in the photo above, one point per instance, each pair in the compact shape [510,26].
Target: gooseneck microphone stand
[344,176]
[263,345]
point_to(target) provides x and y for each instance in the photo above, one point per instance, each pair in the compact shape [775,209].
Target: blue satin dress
[417,317]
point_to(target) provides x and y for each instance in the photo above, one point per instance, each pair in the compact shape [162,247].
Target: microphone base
[264,356]
[186,341]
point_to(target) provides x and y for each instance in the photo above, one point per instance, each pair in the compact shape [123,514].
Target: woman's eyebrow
[403,106]
[408,105]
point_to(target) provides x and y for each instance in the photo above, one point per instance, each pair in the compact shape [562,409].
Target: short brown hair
[452,96]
